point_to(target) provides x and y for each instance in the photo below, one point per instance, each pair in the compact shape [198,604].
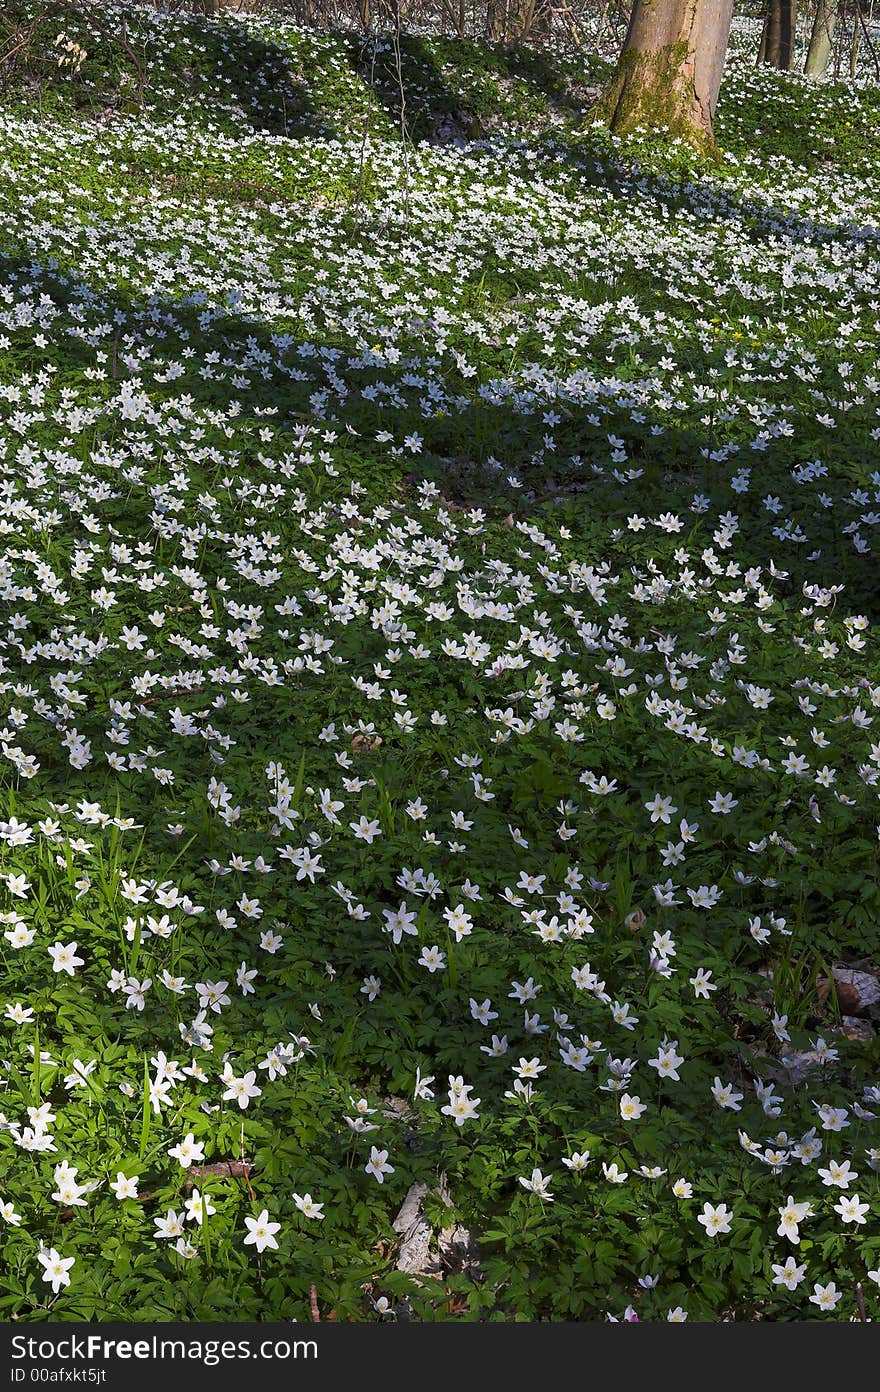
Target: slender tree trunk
[788,34]
[494,21]
[854,47]
[541,21]
[769,49]
[669,72]
[779,33]
[522,15]
[821,39]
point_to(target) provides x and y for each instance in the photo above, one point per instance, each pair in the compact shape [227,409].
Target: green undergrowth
[439,686]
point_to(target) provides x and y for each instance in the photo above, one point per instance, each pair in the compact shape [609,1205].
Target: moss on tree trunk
[652,90]
[669,72]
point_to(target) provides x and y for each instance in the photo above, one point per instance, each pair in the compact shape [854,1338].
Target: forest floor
[439,691]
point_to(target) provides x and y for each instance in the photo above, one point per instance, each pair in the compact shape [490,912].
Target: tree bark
[769,48]
[494,20]
[762,46]
[541,21]
[854,46]
[669,72]
[779,33]
[821,39]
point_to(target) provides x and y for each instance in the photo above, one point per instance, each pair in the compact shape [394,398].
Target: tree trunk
[494,21]
[854,47]
[778,36]
[769,49]
[603,20]
[669,72]
[541,21]
[821,39]
[522,14]
[787,34]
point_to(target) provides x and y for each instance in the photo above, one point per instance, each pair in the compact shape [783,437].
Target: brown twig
[313,1304]
[142,76]
[6,56]
[245,1165]
[226,1169]
[245,1174]
[860,1303]
[170,695]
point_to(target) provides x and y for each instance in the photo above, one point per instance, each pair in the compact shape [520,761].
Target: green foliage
[440,545]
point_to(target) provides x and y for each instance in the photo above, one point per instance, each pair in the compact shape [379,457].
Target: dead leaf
[364,744]
[853,1028]
[847,997]
[856,990]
